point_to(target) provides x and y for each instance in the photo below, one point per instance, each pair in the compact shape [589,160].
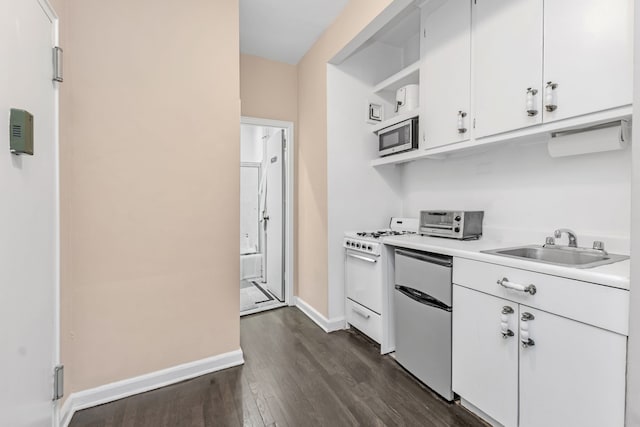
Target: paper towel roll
[607,137]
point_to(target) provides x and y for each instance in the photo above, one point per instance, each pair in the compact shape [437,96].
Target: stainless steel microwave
[398,138]
[461,225]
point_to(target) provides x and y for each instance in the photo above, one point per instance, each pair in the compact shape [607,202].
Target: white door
[29,218]
[485,365]
[273,215]
[507,49]
[588,53]
[573,375]
[446,74]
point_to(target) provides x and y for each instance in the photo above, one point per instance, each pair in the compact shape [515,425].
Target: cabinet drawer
[365,320]
[597,305]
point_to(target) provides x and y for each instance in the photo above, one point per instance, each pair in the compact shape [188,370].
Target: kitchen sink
[560,255]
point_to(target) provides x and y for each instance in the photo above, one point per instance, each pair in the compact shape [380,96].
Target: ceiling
[284,30]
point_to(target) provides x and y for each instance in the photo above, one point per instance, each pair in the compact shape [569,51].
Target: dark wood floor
[294,375]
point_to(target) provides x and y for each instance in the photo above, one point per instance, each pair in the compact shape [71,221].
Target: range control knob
[458,218]
[457,229]
[358,245]
[369,248]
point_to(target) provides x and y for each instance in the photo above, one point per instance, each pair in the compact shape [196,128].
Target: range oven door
[363,279]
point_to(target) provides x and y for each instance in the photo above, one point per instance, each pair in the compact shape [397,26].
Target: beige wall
[150,189]
[312,149]
[268,89]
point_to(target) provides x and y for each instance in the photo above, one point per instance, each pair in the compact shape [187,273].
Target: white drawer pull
[360,312]
[505,283]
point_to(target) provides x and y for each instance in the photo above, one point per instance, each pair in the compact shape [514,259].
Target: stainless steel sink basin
[560,255]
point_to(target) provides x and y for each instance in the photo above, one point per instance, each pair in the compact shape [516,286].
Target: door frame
[289,160]
[55,23]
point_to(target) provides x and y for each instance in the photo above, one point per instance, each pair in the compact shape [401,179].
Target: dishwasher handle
[445,261]
[422,298]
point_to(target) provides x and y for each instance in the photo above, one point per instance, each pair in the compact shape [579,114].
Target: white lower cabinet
[574,374]
[485,365]
[530,368]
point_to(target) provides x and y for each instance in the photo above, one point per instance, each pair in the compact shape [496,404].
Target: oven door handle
[362,258]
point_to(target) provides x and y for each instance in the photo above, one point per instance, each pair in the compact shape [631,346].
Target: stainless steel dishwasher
[422,306]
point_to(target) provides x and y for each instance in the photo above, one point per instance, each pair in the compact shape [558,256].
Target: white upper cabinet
[446,74]
[507,55]
[588,56]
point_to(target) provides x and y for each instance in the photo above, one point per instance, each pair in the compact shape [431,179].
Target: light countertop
[615,275]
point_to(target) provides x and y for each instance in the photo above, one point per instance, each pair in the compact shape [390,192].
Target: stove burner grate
[383,233]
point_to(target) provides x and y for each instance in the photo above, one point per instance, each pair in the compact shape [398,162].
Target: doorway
[265,214]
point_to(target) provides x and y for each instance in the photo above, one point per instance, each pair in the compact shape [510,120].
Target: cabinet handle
[531,102]
[505,283]
[550,102]
[504,322]
[360,313]
[461,126]
[525,340]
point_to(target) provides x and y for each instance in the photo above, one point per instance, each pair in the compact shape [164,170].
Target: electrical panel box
[21,132]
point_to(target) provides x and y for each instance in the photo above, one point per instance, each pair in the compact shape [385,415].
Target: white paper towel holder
[591,139]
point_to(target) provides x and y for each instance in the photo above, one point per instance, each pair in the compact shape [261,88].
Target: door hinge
[57,64]
[58,382]
[474,123]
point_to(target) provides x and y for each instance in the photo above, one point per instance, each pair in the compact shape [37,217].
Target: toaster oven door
[439,220]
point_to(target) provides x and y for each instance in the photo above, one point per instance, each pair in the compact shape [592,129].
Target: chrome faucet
[573,239]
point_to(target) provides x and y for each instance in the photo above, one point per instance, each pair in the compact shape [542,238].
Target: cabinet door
[588,53]
[573,375]
[485,365]
[507,55]
[446,74]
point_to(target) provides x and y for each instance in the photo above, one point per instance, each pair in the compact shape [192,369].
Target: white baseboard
[151,381]
[327,325]
[476,411]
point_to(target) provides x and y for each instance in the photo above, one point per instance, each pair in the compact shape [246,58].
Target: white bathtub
[250,266]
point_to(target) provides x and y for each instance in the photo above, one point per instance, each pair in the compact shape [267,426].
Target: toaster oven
[463,225]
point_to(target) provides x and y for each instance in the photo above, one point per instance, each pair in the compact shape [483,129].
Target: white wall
[249,209]
[251,143]
[528,194]
[359,197]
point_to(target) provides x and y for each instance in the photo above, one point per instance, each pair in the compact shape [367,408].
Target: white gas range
[369,280]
